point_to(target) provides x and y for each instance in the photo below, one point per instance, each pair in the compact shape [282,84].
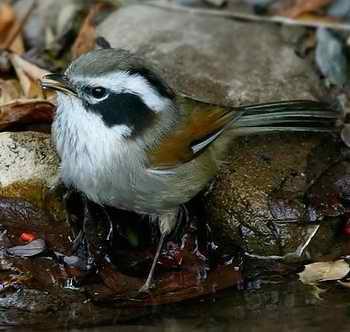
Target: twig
[251,17]
[19,26]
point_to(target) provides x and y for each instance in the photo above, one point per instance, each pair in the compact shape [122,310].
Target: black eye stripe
[123,109]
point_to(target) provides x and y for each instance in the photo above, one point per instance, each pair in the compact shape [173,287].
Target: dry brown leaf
[9,91]
[317,18]
[33,71]
[7,18]
[87,35]
[26,111]
[298,7]
[28,75]
[17,45]
[324,271]
[9,29]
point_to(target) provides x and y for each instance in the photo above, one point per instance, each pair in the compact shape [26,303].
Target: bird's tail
[296,115]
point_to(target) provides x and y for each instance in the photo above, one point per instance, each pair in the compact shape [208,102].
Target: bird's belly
[102,180]
[121,181]
[133,188]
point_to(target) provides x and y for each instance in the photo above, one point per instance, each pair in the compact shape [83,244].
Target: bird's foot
[147,286]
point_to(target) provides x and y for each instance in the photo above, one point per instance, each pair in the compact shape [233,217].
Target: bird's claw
[146,288]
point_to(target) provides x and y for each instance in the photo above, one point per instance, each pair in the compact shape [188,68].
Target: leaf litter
[17,104]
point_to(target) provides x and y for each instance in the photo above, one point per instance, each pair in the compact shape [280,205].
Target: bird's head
[114,85]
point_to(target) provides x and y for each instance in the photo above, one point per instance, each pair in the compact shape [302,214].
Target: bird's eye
[98,92]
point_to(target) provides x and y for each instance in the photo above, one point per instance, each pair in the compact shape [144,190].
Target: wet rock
[28,170]
[56,309]
[212,58]
[29,300]
[263,197]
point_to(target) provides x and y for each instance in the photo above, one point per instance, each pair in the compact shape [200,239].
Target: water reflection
[288,306]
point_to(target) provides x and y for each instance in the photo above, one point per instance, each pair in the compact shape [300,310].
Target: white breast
[95,159]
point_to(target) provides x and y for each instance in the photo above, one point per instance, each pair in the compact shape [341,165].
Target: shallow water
[286,306]
[283,307]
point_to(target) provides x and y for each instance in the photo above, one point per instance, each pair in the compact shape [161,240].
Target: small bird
[126,140]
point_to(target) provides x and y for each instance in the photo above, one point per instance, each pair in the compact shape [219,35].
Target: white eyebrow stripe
[123,82]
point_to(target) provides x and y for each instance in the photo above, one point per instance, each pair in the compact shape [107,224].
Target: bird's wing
[199,125]
[202,123]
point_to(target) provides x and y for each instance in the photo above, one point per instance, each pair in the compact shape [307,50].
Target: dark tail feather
[296,115]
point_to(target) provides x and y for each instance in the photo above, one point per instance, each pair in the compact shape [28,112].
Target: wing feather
[199,125]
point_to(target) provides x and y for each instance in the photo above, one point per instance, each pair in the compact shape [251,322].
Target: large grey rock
[274,190]
[26,156]
[220,60]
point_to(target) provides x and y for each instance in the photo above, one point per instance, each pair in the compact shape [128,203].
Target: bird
[127,140]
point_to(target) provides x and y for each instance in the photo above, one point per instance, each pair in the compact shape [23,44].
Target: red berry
[27,237]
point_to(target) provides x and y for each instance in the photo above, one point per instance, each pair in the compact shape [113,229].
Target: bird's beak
[58,82]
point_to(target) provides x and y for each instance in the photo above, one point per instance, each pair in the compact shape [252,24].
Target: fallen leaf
[309,17]
[9,91]
[298,7]
[10,36]
[33,71]
[324,271]
[18,215]
[33,248]
[26,111]
[87,35]
[330,57]
[7,16]
[28,75]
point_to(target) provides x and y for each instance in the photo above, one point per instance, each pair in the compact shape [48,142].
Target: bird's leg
[87,221]
[167,223]
[71,220]
[109,236]
[98,232]
[86,244]
[147,285]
